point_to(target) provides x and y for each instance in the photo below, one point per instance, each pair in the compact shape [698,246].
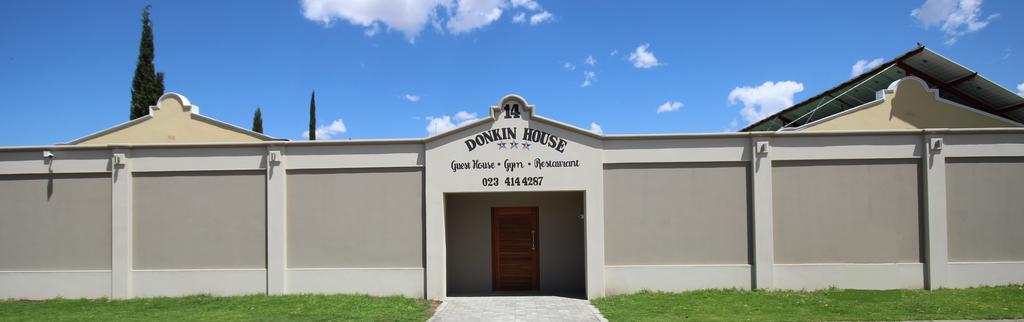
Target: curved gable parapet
[512,110]
[186,105]
[174,119]
[516,104]
[907,102]
[895,85]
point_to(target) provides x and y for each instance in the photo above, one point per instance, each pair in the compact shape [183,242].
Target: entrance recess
[515,248]
[473,227]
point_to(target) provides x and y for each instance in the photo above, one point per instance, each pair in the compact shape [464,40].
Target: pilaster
[761,196]
[277,215]
[121,224]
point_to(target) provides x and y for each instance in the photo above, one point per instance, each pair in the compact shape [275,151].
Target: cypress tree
[147,85]
[312,117]
[257,121]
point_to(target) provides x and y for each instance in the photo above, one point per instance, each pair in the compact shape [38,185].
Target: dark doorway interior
[558,257]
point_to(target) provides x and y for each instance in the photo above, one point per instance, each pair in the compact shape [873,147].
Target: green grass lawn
[1004,302]
[211,308]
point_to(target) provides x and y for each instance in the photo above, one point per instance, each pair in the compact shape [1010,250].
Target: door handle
[533,240]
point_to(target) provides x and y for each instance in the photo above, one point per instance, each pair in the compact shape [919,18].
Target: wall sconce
[935,144]
[274,157]
[761,148]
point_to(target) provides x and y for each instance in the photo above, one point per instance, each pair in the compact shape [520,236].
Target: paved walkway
[516,308]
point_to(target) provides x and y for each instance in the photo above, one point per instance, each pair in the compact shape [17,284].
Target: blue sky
[386,69]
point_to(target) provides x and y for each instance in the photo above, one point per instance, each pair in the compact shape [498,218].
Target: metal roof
[954,82]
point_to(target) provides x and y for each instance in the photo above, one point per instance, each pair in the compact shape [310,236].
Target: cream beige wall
[852,211]
[853,220]
[676,213]
[468,240]
[173,123]
[55,222]
[199,220]
[371,218]
[910,106]
[985,201]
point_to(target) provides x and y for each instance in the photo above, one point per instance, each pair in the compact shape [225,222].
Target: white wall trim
[624,279]
[355,268]
[181,282]
[398,155]
[677,265]
[377,281]
[64,162]
[983,145]
[199,159]
[711,149]
[827,147]
[185,270]
[39,285]
[849,275]
[59,271]
[973,274]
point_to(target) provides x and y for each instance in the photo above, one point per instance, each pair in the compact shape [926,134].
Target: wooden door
[515,247]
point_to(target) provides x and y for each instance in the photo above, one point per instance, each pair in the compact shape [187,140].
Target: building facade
[515,201]
[908,176]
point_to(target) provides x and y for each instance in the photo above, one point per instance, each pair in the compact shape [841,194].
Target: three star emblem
[514,145]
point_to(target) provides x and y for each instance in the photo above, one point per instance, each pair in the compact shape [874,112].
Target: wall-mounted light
[935,144]
[48,154]
[761,147]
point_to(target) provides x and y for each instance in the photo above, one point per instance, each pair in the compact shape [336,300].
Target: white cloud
[594,127]
[614,52]
[465,117]
[439,124]
[372,30]
[1020,89]
[670,106]
[642,58]
[444,123]
[569,66]
[473,14]
[588,78]
[590,60]
[734,125]
[954,17]
[325,132]
[411,17]
[519,18]
[528,4]
[764,100]
[412,98]
[538,18]
[862,66]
